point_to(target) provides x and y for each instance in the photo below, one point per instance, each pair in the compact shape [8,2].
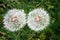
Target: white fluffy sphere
[38,19]
[14,20]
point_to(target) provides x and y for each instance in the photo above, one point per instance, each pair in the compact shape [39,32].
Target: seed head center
[14,18]
[38,18]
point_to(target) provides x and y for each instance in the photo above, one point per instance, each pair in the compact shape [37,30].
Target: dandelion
[14,20]
[38,19]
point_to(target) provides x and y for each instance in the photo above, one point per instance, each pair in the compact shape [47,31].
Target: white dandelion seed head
[38,19]
[14,20]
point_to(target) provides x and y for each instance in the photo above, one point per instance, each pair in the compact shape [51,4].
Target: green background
[52,32]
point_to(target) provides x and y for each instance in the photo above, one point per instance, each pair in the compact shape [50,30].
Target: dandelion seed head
[14,20]
[38,19]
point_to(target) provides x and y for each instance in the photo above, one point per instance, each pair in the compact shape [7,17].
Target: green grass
[51,32]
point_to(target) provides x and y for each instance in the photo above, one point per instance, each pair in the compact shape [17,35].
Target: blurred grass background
[52,32]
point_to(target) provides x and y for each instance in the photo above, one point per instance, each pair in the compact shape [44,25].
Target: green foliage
[52,32]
